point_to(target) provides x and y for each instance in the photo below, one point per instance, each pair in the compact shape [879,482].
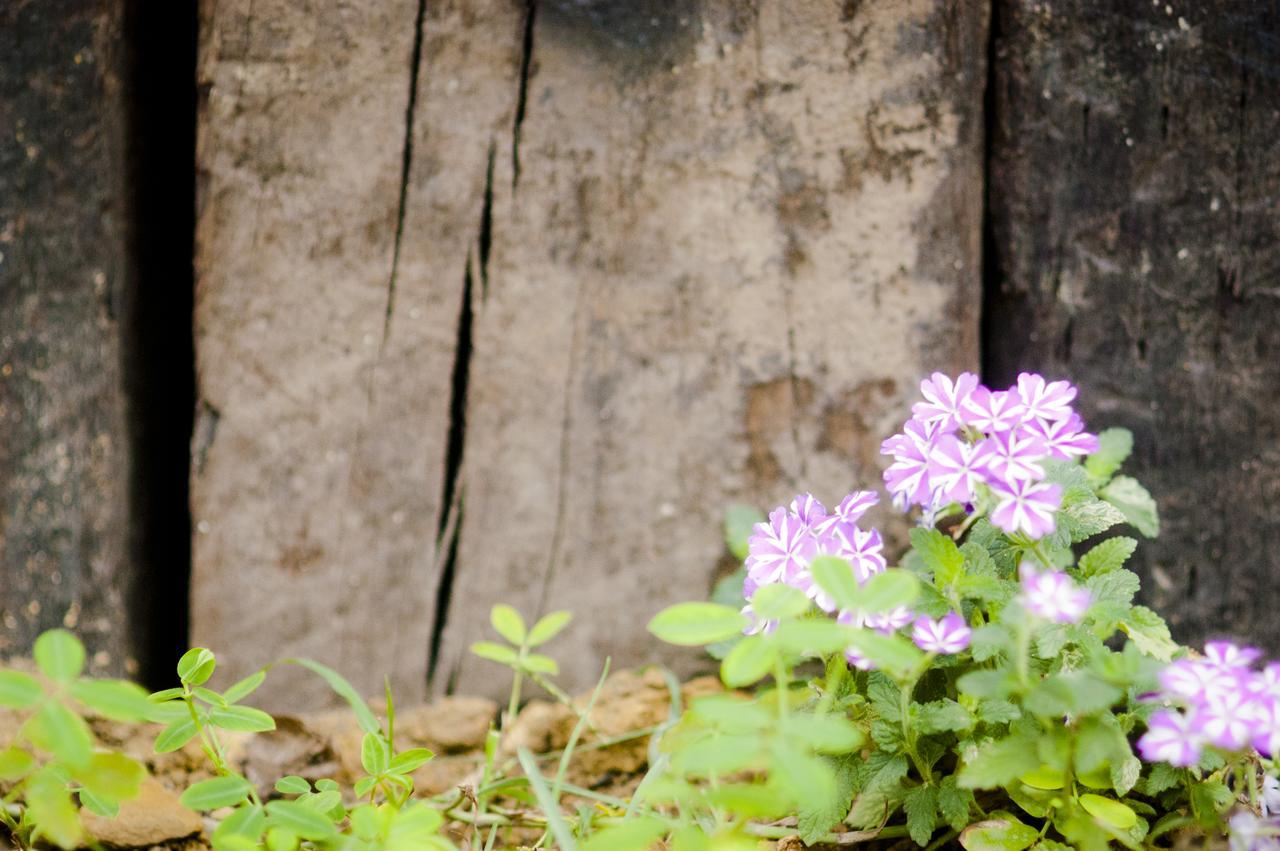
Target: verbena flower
[892,620]
[1228,719]
[1054,596]
[1016,456]
[1027,507]
[1250,833]
[1063,439]
[957,467]
[1225,654]
[948,635]
[992,411]
[908,476]
[780,549]
[850,509]
[1171,737]
[1047,400]
[944,398]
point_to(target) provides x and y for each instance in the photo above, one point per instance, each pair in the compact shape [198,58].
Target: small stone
[152,818]
[449,725]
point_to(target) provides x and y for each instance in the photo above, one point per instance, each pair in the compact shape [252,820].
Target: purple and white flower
[1048,400]
[1053,596]
[1016,456]
[781,549]
[892,620]
[1225,654]
[862,548]
[948,635]
[907,478]
[1229,719]
[1171,737]
[944,398]
[1063,439]
[957,468]
[1249,833]
[850,509]
[991,411]
[1027,507]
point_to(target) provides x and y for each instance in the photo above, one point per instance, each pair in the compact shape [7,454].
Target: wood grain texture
[64,516]
[726,240]
[1135,198]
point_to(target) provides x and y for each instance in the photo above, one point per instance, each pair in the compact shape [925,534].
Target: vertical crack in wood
[485,241]
[994,304]
[406,164]
[526,61]
[449,526]
[562,476]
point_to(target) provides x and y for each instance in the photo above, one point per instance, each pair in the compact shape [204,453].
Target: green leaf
[836,577]
[19,690]
[1108,555]
[977,561]
[375,756]
[59,654]
[1117,586]
[15,763]
[891,653]
[1099,742]
[887,591]
[242,689]
[111,776]
[693,624]
[989,641]
[61,732]
[243,719]
[1209,799]
[731,713]
[1163,776]
[940,555]
[1114,446]
[1125,773]
[1004,834]
[1111,812]
[508,623]
[999,762]
[292,785]
[549,804]
[809,636]
[806,777]
[539,664]
[828,734]
[494,652]
[548,628]
[176,735]
[247,822]
[407,762]
[209,696]
[98,806]
[921,807]
[881,792]
[815,817]
[1072,693]
[636,833]
[942,716]
[885,697]
[340,686]
[1150,633]
[739,521]
[51,810]
[778,602]
[114,699]
[748,662]
[992,711]
[1090,517]
[983,683]
[196,666]
[216,793]
[954,803]
[1134,503]
[301,820]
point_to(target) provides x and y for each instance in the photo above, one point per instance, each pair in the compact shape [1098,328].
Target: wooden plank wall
[1135,188]
[509,311]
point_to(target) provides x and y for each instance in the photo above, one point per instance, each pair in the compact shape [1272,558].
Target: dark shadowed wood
[63,271]
[1136,203]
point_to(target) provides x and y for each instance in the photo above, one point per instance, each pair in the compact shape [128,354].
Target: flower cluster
[1054,596]
[781,549]
[965,437]
[1219,700]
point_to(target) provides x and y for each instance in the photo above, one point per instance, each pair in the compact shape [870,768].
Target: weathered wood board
[64,508]
[651,259]
[1136,206]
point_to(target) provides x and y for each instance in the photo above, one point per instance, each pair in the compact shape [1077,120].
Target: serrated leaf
[1135,503]
[1118,586]
[1114,446]
[19,690]
[817,817]
[998,711]
[739,521]
[881,792]
[693,624]
[1108,555]
[921,806]
[215,793]
[1149,632]
[1125,773]
[1161,777]
[940,555]
[1090,517]
[508,623]
[548,627]
[954,803]
[941,716]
